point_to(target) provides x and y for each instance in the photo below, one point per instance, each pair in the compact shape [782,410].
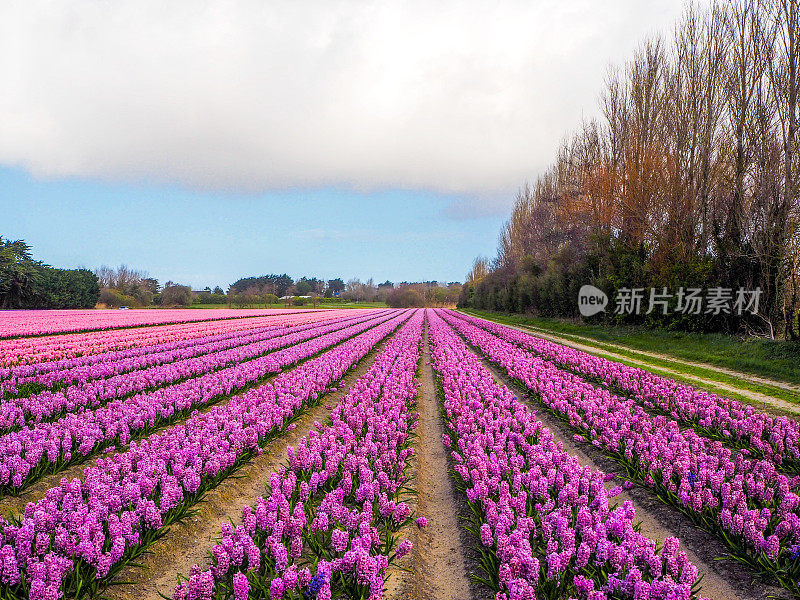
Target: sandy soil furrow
[722,579]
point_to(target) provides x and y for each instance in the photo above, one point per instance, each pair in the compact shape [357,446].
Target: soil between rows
[722,579]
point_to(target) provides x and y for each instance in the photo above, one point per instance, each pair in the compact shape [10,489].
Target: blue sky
[205,141]
[213,238]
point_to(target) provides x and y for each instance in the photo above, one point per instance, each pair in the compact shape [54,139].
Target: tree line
[688,180]
[270,288]
[131,287]
[29,283]
[126,286]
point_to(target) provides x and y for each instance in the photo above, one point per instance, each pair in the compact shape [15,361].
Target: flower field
[18,323]
[293,441]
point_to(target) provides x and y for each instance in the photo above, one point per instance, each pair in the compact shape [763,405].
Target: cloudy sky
[207,140]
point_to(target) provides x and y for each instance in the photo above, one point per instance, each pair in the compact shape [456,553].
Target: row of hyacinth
[746,502]
[29,453]
[735,423]
[16,323]
[45,406]
[25,380]
[545,526]
[328,524]
[81,534]
[35,350]
[140,343]
[18,411]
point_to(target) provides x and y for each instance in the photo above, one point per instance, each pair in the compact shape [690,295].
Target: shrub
[115,299]
[404,298]
[176,295]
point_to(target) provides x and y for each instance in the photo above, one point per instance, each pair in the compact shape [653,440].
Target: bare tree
[479,270]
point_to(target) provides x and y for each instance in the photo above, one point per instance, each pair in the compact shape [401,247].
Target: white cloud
[457,97]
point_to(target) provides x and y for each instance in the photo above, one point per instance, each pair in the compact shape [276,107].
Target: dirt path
[784,385]
[769,401]
[722,579]
[441,565]
[189,542]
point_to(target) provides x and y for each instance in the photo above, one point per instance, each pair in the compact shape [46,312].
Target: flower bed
[29,453]
[746,502]
[544,522]
[200,359]
[89,351]
[16,323]
[741,425]
[36,350]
